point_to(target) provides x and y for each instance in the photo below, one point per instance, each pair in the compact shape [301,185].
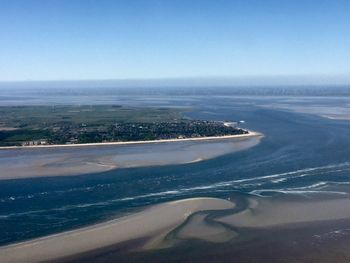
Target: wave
[299,192]
[238,184]
[333,234]
[85,205]
[45,193]
[283,177]
[246,182]
[319,189]
[149,195]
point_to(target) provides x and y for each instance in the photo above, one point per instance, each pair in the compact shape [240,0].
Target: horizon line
[244,80]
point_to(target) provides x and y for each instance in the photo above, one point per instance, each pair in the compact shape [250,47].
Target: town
[39,125]
[120,132]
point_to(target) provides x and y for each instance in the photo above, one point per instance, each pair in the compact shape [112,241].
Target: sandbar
[271,212]
[165,225]
[150,222]
[45,161]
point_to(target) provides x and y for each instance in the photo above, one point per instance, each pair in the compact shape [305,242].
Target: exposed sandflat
[158,221]
[42,161]
[149,222]
[270,212]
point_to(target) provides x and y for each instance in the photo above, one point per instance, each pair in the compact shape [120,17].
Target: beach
[75,159]
[249,134]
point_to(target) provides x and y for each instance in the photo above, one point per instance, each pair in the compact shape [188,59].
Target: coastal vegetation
[42,125]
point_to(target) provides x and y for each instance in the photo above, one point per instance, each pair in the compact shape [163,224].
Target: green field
[39,117]
[58,124]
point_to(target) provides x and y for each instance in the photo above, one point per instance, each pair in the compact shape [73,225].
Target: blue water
[300,154]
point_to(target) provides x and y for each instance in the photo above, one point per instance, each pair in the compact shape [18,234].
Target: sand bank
[271,212]
[150,222]
[165,225]
[198,228]
[43,161]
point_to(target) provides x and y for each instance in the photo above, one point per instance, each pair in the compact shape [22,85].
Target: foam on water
[239,184]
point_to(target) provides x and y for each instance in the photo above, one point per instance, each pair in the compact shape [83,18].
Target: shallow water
[22,163]
[302,154]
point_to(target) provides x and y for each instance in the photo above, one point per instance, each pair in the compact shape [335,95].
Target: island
[70,140]
[92,124]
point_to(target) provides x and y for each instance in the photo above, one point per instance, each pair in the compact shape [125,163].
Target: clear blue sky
[100,39]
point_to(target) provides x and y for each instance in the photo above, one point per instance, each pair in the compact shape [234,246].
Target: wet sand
[268,212]
[66,161]
[152,222]
[247,228]
[316,242]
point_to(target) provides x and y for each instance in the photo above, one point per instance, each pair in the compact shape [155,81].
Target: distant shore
[249,134]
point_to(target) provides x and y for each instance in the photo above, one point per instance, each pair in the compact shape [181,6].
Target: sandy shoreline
[44,161]
[249,134]
[143,224]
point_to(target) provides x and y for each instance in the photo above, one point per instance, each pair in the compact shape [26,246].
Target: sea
[305,151]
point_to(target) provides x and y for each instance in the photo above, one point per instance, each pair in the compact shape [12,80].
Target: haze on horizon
[230,42]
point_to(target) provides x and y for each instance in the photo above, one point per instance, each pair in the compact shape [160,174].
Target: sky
[157,39]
